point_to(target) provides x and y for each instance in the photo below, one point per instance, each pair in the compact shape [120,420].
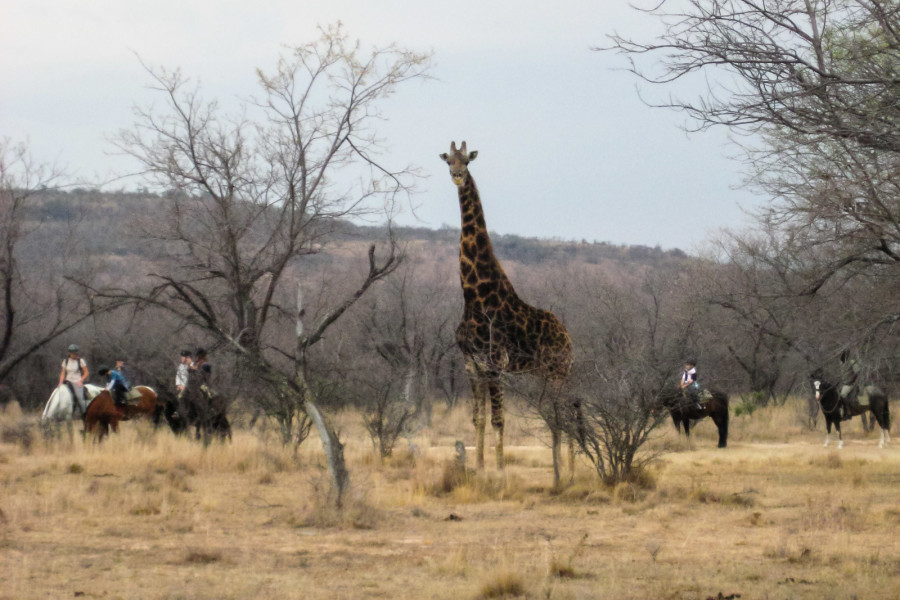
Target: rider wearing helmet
[181,374]
[202,370]
[689,386]
[74,373]
[117,384]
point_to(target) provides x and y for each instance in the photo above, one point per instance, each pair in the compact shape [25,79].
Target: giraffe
[499,332]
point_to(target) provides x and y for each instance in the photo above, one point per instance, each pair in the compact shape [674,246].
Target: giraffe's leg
[556,438]
[479,416]
[572,443]
[478,410]
[496,390]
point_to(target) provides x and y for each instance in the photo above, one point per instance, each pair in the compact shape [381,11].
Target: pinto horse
[103,413]
[829,397]
[683,411]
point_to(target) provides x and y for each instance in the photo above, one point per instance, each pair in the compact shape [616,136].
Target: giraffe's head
[459,162]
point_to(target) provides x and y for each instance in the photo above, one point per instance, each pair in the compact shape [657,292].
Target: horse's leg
[827,430]
[722,427]
[71,431]
[837,426]
[881,416]
[867,422]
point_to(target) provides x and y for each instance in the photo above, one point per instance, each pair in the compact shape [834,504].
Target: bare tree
[815,82]
[37,303]
[386,418]
[410,327]
[815,67]
[628,353]
[256,191]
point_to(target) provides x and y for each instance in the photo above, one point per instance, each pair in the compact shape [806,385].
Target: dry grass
[150,516]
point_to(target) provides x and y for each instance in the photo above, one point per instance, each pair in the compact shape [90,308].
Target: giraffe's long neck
[479,269]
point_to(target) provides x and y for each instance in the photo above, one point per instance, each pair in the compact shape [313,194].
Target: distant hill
[111,214]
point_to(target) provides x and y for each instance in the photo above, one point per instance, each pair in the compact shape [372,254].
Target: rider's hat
[73,348]
[691,361]
[185,352]
[200,352]
[103,370]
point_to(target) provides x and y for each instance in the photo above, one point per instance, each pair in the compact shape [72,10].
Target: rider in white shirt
[74,372]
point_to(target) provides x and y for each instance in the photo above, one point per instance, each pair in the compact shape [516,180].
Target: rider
[116,382]
[203,370]
[75,373]
[181,375]
[849,390]
[689,386]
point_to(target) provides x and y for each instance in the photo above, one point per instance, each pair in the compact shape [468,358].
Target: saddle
[77,404]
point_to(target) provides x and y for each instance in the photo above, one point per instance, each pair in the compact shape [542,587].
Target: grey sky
[566,147]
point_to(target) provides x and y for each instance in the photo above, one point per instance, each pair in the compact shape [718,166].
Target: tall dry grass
[149,515]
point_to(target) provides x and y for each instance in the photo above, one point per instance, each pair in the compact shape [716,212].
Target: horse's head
[820,385]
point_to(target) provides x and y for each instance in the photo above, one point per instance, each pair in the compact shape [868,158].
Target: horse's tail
[722,421]
[881,409]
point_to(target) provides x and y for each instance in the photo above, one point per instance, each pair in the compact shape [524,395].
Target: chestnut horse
[829,397]
[714,404]
[102,413]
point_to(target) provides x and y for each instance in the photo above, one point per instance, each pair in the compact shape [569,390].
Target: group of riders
[847,392]
[75,373]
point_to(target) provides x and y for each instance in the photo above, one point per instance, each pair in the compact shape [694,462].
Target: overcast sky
[566,147]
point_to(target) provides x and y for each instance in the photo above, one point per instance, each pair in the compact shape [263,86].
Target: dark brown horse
[103,413]
[195,409]
[714,404]
[829,397]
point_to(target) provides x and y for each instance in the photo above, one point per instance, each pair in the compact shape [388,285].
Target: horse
[61,406]
[208,416]
[103,413]
[714,404]
[829,397]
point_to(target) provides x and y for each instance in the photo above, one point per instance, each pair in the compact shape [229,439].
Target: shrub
[503,585]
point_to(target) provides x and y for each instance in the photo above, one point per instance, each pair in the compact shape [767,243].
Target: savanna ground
[148,515]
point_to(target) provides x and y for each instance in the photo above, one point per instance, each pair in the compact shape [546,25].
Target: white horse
[62,407]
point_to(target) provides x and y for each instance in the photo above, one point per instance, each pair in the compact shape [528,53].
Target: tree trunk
[334,450]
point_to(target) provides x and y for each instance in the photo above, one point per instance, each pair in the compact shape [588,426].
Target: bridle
[818,384]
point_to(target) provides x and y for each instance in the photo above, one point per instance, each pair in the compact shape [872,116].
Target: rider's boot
[845,413]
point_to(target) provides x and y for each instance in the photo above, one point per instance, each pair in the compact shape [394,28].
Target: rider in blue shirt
[117,384]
